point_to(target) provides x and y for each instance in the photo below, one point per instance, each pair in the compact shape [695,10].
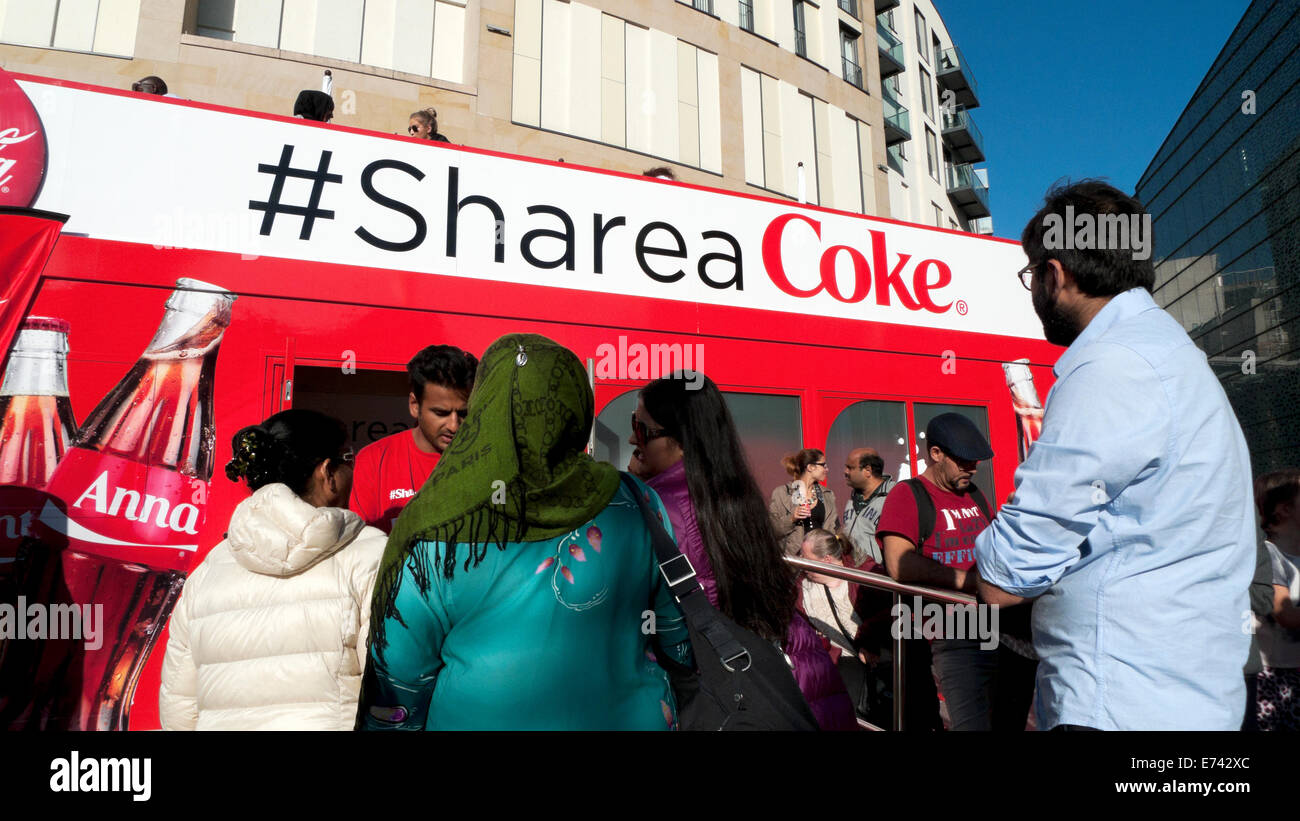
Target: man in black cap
[927,534]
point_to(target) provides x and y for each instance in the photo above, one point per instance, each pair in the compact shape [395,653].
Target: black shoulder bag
[741,681]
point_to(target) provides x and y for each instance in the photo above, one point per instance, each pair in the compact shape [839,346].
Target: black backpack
[741,681]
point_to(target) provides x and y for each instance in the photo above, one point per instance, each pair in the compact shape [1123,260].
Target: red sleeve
[898,516]
[365,478]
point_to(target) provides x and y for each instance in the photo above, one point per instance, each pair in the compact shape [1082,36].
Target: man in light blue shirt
[1132,523]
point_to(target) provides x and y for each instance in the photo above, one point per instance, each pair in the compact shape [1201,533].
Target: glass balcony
[967,192]
[956,76]
[897,125]
[962,135]
[891,52]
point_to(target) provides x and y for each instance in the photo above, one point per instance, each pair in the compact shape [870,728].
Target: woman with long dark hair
[270,631]
[686,441]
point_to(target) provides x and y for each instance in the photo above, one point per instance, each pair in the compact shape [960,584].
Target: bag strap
[925,511]
[980,500]
[679,575]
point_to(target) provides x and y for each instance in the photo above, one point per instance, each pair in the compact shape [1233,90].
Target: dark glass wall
[1224,195]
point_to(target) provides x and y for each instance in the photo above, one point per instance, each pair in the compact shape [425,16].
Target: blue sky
[1078,88]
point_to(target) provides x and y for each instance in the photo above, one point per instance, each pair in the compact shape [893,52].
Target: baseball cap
[958,436]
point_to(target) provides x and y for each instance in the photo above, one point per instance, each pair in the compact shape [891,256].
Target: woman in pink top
[688,450]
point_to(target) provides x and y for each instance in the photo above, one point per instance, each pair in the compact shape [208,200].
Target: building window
[850,6]
[888,19]
[849,57]
[922,44]
[426,38]
[97,26]
[927,103]
[705,6]
[747,15]
[800,30]
[625,66]
[934,41]
[931,153]
[938,214]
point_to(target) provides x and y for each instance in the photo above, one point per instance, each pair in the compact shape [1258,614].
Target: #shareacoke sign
[172,174]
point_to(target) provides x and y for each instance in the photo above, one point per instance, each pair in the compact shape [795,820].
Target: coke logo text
[183,518]
[15,527]
[888,280]
[10,136]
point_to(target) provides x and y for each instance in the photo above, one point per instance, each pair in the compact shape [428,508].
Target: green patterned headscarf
[517,469]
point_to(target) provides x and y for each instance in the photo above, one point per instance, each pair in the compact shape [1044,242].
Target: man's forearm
[992,594]
[914,568]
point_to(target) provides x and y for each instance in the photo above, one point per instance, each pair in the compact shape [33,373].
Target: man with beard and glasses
[1131,524]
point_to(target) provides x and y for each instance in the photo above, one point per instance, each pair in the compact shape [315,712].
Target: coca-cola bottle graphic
[36,427]
[131,496]
[1024,399]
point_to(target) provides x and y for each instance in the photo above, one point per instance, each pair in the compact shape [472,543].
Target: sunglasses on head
[641,431]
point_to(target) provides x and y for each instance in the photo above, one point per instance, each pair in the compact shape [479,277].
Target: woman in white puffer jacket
[270,632]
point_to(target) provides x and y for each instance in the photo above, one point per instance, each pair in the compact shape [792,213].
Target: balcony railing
[967,191]
[891,52]
[897,123]
[878,582]
[962,135]
[954,74]
[852,72]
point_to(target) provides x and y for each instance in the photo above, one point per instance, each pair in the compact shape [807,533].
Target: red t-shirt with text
[957,521]
[386,475]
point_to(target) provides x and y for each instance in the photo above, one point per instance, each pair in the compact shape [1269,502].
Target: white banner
[176,175]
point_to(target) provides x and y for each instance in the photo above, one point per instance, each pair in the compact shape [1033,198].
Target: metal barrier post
[900,676]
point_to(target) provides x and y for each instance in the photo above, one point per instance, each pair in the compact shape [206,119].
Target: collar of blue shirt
[1122,306]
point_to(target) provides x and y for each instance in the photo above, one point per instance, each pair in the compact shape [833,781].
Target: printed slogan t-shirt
[387,475]
[957,521]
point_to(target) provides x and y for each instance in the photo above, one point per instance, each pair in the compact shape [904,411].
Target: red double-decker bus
[347,251]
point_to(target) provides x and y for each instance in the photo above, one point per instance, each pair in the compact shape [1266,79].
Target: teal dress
[549,635]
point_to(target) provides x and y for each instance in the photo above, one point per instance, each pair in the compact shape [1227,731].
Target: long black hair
[755,586]
[286,448]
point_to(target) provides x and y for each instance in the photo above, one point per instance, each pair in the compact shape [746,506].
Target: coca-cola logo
[878,274]
[22,146]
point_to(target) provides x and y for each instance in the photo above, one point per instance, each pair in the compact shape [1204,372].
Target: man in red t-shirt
[984,689]
[388,473]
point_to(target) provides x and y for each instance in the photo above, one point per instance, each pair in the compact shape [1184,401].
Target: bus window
[769,427]
[869,424]
[922,413]
[612,429]
[371,403]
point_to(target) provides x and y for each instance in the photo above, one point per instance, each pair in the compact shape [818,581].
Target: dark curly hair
[286,448]
[444,365]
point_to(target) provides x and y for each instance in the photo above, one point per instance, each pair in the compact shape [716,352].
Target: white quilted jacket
[270,631]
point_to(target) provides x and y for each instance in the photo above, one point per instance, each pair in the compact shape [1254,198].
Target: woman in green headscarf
[519,589]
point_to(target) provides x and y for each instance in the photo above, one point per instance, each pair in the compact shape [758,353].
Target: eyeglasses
[1026,276]
[644,436]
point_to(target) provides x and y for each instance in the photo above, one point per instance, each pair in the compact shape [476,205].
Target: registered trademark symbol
[961,307]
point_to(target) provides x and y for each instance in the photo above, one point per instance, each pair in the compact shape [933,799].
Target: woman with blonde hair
[424,124]
[802,504]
